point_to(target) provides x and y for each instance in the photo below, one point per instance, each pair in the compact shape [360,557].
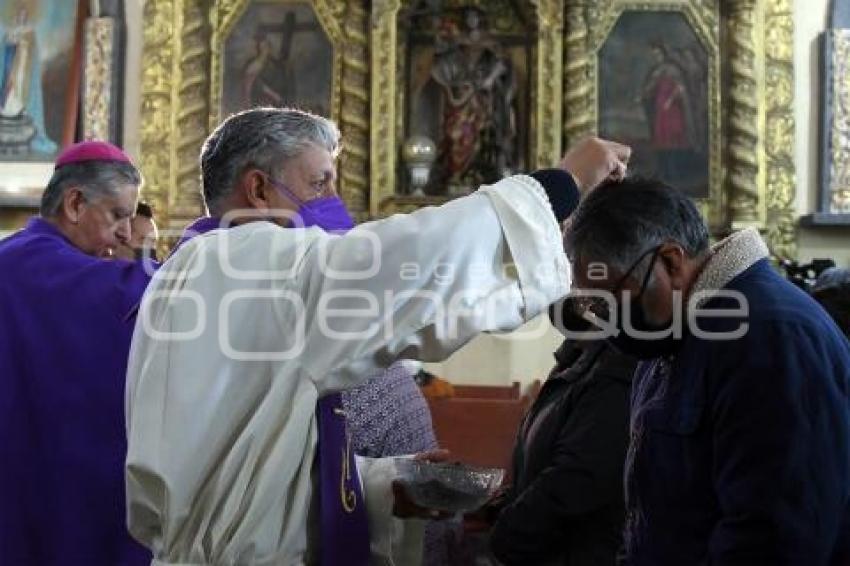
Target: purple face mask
[327,213]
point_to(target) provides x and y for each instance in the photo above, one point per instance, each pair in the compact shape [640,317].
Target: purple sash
[344,525]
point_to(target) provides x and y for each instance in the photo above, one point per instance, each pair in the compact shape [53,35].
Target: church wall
[502,359]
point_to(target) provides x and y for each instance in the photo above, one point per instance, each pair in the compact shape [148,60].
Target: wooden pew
[506,392]
[480,432]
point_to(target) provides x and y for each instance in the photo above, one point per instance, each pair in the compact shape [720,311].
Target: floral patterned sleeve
[388,416]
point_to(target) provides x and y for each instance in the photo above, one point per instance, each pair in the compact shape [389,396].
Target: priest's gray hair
[260,138]
[95,179]
[621,220]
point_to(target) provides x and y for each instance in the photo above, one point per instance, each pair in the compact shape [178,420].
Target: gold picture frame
[752,126]
[756,165]
[702,19]
[387,101]
[181,97]
[226,17]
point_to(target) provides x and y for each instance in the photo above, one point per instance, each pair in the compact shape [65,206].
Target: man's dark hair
[620,220]
[96,179]
[144,209]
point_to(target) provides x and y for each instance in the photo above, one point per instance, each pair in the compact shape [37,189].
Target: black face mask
[564,315]
[642,348]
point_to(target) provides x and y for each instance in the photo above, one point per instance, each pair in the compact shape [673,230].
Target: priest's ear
[73,204]
[257,190]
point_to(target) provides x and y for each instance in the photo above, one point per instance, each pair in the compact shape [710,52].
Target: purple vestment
[64,342]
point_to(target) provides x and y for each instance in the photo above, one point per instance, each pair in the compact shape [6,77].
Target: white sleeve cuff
[534,239]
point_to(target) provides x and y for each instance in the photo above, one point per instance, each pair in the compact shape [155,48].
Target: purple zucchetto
[91,151]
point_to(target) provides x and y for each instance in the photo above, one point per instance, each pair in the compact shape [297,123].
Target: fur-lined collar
[729,258]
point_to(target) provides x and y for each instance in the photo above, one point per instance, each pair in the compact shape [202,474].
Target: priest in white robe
[245,328]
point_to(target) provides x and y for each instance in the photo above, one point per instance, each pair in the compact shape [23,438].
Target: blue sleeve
[561,189]
[780,440]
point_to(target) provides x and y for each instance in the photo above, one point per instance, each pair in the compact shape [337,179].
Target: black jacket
[565,502]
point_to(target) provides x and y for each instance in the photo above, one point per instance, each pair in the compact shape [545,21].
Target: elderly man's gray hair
[620,220]
[260,138]
[95,179]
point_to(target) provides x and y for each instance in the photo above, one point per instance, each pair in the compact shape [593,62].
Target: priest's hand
[594,160]
[404,507]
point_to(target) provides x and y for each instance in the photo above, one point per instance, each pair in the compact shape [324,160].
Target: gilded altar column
[191,123]
[382,150]
[354,111]
[578,118]
[175,109]
[548,121]
[157,105]
[779,127]
[742,179]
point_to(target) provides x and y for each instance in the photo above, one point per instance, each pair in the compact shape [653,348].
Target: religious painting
[835,122]
[277,54]
[653,76]
[467,93]
[37,107]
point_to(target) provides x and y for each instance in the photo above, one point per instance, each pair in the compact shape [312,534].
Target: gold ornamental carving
[225,14]
[743,137]
[174,109]
[98,75]
[752,166]
[588,25]
[545,114]
[181,97]
[579,114]
[191,89]
[780,188]
[345,24]
[354,113]
[159,104]
[547,120]
[383,144]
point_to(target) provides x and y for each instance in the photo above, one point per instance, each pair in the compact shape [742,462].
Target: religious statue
[478,120]
[21,105]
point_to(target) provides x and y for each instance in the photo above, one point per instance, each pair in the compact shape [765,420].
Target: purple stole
[343,523]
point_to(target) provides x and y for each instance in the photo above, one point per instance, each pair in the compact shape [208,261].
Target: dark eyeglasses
[600,307]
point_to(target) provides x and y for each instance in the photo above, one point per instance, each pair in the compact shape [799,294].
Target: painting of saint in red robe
[666,102]
[653,95]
